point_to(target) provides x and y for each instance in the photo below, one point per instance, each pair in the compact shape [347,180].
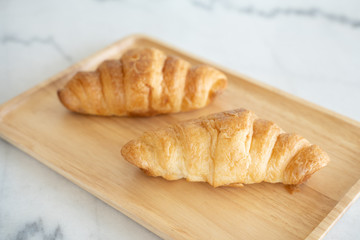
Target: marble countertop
[308,48]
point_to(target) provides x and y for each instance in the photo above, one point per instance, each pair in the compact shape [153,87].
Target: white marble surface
[308,48]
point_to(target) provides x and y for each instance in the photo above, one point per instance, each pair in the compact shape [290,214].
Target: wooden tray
[86,150]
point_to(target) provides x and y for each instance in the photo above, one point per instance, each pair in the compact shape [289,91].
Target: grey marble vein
[36,229]
[310,12]
[50,41]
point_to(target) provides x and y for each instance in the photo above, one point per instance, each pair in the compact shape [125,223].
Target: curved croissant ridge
[228,148]
[143,82]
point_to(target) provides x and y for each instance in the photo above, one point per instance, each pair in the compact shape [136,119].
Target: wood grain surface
[86,150]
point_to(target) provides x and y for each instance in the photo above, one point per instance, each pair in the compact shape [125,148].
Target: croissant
[228,148]
[143,82]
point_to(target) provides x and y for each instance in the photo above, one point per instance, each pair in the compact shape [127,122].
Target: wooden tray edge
[336,213]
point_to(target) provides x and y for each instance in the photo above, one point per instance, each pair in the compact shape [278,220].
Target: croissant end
[131,150]
[304,164]
[69,100]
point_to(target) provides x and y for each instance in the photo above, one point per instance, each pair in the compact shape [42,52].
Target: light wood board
[86,150]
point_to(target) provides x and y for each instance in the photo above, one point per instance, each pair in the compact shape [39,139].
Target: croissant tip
[124,150]
[293,188]
[69,100]
[307,162]
[62,98]
[128,152]
[58,92]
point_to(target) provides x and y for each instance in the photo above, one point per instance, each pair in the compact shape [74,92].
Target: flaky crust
[229,148]
[143,82]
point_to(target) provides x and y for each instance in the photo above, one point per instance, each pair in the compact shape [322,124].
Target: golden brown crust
[226,149]
[285,148]
[265,135]
[112,83]
[305,163]
[143,82]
